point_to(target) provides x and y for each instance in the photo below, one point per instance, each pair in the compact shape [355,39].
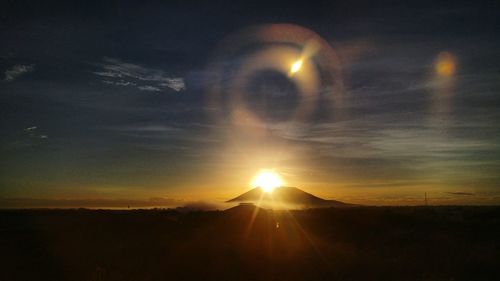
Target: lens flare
[445,64]
[296,66]
[442,80]
[306,59]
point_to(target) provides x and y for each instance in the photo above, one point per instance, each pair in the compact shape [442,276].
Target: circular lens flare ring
[242,53]
[267,180]
[280,60]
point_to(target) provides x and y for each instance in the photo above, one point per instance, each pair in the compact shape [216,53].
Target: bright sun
[267,180]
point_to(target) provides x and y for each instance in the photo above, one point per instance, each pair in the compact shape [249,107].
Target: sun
[267,180]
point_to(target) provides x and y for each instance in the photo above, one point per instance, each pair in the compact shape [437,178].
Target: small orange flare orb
[445,64]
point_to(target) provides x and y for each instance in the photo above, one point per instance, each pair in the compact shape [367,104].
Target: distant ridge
[286,196]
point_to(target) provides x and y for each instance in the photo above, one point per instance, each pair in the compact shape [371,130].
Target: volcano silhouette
[286,197]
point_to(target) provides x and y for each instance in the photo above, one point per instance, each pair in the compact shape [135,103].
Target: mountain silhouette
[286,197]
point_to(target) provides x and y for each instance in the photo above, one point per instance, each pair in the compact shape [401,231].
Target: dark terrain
[360,243]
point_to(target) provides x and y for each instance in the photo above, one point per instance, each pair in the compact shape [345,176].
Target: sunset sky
[110,100]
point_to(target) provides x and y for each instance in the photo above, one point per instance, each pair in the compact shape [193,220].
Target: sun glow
[267,180]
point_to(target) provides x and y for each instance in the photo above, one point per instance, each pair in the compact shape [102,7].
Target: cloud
[461,193]
[399,151]
[149,88]
[33,132]
[153,128]
[90,203]
[121,73]
[175,83]
[17,71]
[154,135]
[199,206]
[180,205]
[23,138]
[119,83]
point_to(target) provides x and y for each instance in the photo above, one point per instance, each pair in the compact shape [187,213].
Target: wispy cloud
[89,203]
[18,70]
[399,150]
[119,73]
[461,193]
[119,83]
[33,132]
[23,138]
[149,88]
[154,131]
[181,205]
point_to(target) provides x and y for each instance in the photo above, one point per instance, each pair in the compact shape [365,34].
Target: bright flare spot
[445,64]
[296,66]
[267,180]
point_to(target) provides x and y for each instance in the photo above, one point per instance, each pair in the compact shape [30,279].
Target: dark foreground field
[406,243]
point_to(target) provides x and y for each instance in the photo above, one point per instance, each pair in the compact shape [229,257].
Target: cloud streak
[120,73]
[90,203]
[461,193]
[17,71]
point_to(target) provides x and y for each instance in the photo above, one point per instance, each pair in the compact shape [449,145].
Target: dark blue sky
[108,99]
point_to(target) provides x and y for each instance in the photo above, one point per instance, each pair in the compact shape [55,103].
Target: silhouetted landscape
[361,243]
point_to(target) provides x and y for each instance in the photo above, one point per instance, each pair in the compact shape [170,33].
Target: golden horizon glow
[267,180]
[296,66]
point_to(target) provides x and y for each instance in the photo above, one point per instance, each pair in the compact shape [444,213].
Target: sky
[162,102]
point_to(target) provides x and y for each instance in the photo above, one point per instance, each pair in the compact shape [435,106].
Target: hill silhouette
[286,197]
[251,243]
